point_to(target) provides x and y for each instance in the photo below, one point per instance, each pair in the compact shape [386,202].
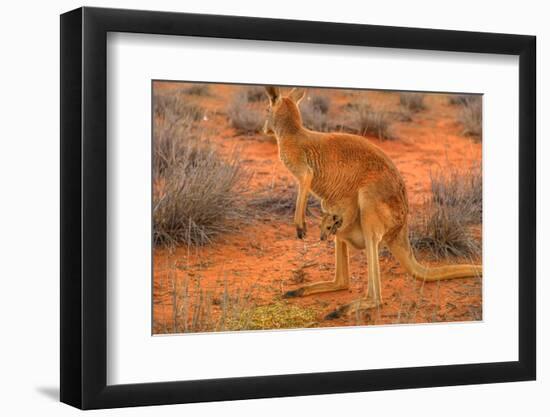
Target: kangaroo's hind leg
[341,276]
[373,232]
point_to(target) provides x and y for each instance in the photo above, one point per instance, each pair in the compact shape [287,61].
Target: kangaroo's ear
[297,94]
[273,93]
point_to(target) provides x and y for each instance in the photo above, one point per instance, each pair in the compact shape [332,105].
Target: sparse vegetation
[319,102]
[198,197]
[314,110]
[460,188]
[278,315]
[366,121]
[197,191]
[279,202]
[198,90]
[197,310]
[403,115]
[175,106]
[244,117]
[255,94]
[443,228]
[462,99]
[169,143]
[206,280]
[470,117]
[413,102]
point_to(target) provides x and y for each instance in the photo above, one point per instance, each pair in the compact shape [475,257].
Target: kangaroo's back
[342,164]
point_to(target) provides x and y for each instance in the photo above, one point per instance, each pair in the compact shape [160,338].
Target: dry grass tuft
[202,90]
[460,188]
[244,117]
[314,110]
[366,121]
[198,193]
[444,233]
[461,99]
[255,94]
[320,103]
[169,143]
[198,197]
[444,228]
[413,102]
[470,117]
[198,310]
[195,309]
[279,202]
[175,106]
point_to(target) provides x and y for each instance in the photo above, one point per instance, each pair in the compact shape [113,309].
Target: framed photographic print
[256,208]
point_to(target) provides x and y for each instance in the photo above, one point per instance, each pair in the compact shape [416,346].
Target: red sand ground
[260,259]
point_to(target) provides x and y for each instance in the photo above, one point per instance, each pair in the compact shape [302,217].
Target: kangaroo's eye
[328,227]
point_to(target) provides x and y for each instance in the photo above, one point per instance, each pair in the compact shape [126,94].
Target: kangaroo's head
[330,223]
[283,113]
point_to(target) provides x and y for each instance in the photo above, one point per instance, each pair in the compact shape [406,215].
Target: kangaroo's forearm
[304,187]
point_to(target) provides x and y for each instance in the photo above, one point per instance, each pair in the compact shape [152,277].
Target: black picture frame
[84,207]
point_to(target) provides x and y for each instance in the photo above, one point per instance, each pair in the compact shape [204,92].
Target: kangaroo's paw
[294,293]
[336,314]
[301,231]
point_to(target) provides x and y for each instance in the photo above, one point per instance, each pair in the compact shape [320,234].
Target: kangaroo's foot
[301,231]
[354,307]
[315,288]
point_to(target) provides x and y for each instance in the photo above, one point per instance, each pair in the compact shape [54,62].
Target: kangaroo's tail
[401,249]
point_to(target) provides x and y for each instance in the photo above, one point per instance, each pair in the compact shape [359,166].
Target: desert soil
[263,259]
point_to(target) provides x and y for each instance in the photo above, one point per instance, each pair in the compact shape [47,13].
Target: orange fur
[356,180]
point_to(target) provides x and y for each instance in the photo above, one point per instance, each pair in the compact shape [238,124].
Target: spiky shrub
[461,99]
[280,201]
[414,102]
[197,192]
[314,110]
[198,90]
[444,227]
[244,117]
[365,120]
[444,233]
[470,117]
[319,102]
[255,94]
[199,197]
[460,188]
[174,105]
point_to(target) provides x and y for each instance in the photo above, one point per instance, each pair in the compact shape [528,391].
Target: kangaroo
[330,223]
[341,215]
[351,173]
